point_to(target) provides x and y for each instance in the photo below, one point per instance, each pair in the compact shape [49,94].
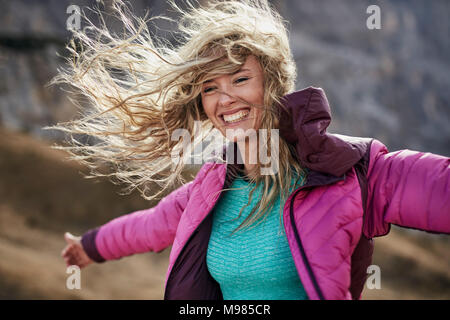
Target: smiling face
[234,101]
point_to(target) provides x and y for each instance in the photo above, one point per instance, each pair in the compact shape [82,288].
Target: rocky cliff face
[390,83]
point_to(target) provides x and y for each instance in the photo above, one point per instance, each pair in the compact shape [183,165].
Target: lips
[233,111]
[234,116]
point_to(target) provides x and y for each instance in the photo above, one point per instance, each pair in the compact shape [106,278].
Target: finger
[72,261]
[71,239]
[68,250]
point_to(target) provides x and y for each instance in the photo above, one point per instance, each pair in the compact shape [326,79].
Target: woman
[305,230]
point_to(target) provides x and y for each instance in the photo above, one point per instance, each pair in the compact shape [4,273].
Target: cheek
[257,98]
[255,92]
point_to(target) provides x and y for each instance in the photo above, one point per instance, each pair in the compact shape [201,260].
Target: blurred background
[391,83]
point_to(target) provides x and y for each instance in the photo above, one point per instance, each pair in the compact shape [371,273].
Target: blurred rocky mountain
[391,83]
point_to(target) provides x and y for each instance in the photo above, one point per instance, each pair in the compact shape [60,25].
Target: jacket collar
[304,118]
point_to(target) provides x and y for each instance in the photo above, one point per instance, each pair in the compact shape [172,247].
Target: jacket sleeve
[141,231]
[407,188]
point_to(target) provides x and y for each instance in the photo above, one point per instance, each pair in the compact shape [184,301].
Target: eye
[241,79]
[209,89]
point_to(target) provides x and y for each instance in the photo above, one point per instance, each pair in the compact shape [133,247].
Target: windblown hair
[140,89]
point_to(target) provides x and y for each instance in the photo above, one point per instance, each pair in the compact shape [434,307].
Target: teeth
[235,116]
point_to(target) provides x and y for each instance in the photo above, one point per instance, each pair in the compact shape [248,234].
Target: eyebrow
[233,73]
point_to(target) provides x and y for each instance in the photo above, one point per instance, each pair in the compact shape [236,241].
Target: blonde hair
[140,89]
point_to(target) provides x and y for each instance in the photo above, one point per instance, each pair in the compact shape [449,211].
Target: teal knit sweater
[256,263]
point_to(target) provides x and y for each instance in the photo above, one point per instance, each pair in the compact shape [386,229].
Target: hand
[74,253]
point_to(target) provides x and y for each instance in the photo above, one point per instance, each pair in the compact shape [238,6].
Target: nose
[226,99]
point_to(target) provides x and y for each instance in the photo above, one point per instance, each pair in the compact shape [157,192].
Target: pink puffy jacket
[354,190]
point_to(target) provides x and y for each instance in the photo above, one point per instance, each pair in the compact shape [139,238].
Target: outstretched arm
[141,231]
[407,188]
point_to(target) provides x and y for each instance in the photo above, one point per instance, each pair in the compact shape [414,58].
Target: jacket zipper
[364,200]
[302,250]
[297,236]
